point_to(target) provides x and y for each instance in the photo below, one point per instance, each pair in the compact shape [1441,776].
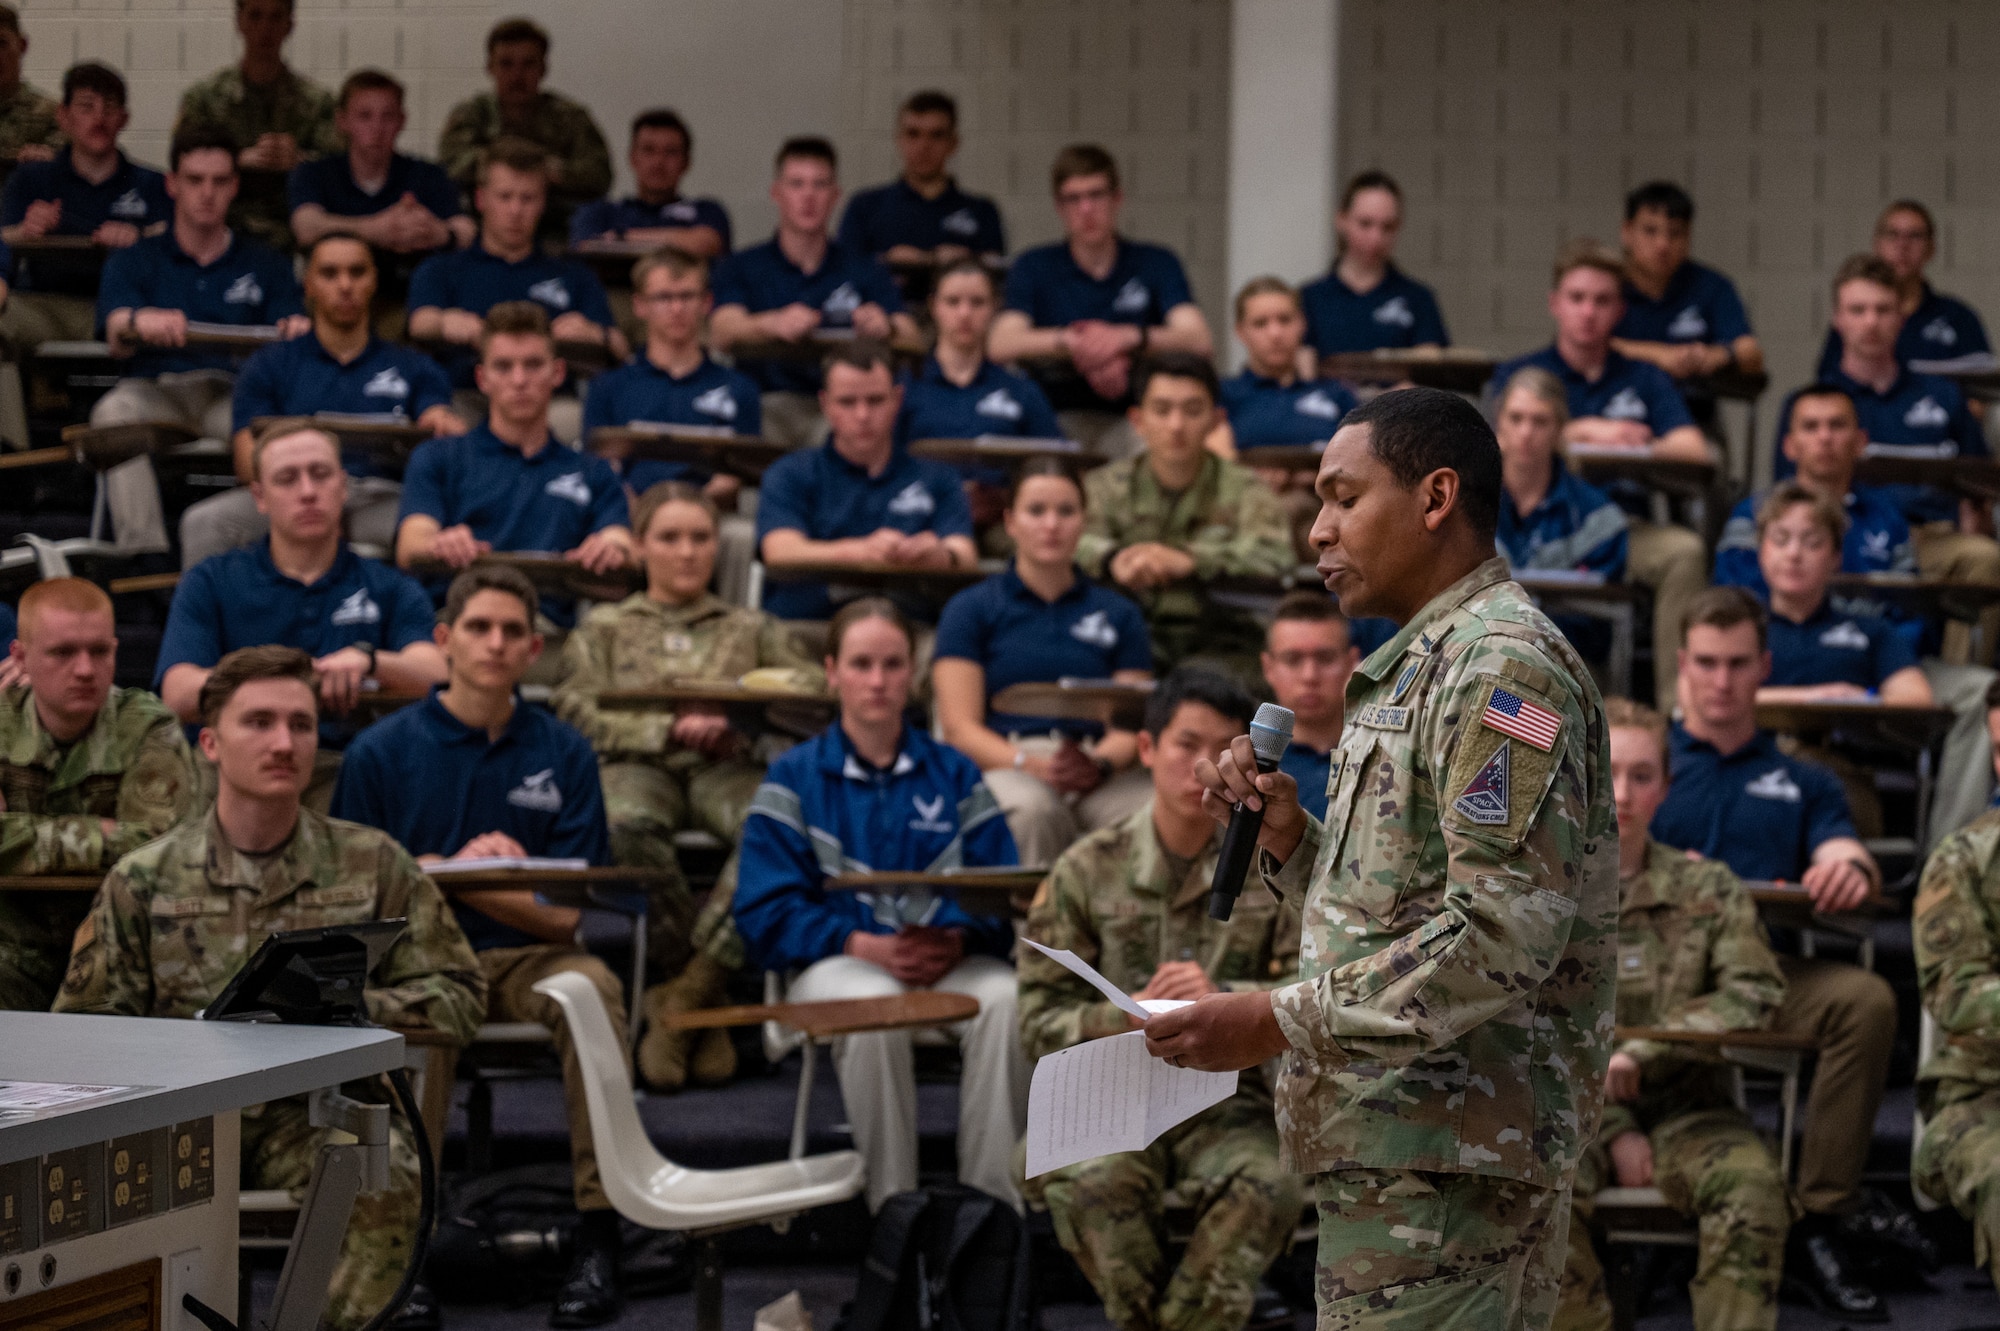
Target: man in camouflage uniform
[177,918]
[277,117]
[1445,1052]
[517,58]
[88,772]
[1691,956]
[28,130]
[1177,513]
[1132,899]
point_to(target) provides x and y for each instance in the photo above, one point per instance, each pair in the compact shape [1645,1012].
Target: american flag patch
[1516,716]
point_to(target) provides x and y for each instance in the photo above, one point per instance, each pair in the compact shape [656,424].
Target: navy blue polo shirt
[132,193]
[1576,526]
[822,494]
[434,783]
[1941,328]
[1006,629]
[329,182]
[996,402]
[476,279]
[712,396]
[1918,411]
[1263,412]
[614,217]
[301,378]
[1757,810]
[1309,767]
[1626,390]
[895,214]
[1834,648]
[1398,311]
[1878,540]
[1145,281]
[250,283]
[8,626]
[1698,305]
[762,278]
[240,599]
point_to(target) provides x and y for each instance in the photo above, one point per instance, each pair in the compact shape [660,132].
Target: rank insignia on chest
[1513,715]
[1378,717]
[1485,799]
[678,643]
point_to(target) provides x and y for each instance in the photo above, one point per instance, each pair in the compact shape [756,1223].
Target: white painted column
[1283,99]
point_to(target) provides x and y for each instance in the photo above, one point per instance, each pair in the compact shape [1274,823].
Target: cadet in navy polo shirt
[1269,402]
[1679,315]
[365,624]
[923,216]
[10,673]
[1309,655]
[858,499]
[1095,299]
[672,381]
[341,366]
[1935,326]
[450,293]
[1365,302]
[401,205]
[1040,621]
[509,485]
[662,149]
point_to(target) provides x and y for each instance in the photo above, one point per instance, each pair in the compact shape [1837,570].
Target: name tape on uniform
[1379,716]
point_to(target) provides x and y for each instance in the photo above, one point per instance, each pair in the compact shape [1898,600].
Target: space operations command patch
[1485,799]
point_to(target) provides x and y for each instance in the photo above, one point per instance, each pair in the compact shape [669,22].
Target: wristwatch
[365,646]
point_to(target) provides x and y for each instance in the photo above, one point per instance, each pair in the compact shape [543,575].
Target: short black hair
[197,138]
[809,146]
[1175,365]
[1663,195]
[929,102]
[1416,431]
[1193,683]
[93,76]
[1815,390]
[661,117]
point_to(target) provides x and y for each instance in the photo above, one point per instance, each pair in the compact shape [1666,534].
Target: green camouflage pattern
[645,806]
[558,124]
[1456,1011]
[1404,1250]
[1113,900]
[293,105]
[131,766]
[1228,520]
[27,117]
[1958,1160]
[177,918]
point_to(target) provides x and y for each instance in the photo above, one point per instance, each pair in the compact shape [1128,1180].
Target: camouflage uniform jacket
[1691,956]
[1460,906]
[560,125]
[132,767]
[27,116]
[177,918]
[640,643]
[1956,923]
[295,105]
[1228,520]
[1111,899]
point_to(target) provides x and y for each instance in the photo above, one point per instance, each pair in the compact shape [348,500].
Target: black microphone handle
[1239,850]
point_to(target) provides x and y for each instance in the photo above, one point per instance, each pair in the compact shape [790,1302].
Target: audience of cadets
[668,770]
[29,131]
[923,216]
[857,498]
[1096,301]
[451,293]
[1161,524]
[89,188]
[874,793]
[1365,302]
[1934,326]
[1680,315]
[662,149]
[200,269]
[799,282]
[1309,655]
[275,117]
[88,772]
[1131,899]
[1738,798]
[365,625]
[1692,956]
[178,917]
[1958,973]
[1040,621]
[508,485]
[403,206]
[672,380]
[474,772]
[340,366]
[517,60]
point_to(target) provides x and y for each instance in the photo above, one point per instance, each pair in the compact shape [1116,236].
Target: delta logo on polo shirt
[1846,635]
[1000,405]
[717,402]
[244,291]
[1776,784]
[128,204]
[682,210]
[913,501]
[930,814]
[1625,405]
[1688,325]
[1395,312]
[550,291]
[1132,298]
[1095,628]
[960,223]
[1940,331]
[537,791]
[359,608]
[387,383]
[1926,413]
[570,486]
[1317,404]
[841,302]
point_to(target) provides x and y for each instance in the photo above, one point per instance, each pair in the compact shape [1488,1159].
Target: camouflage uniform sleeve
[1512,891]
[1282,965]
[1958,964]
[587,158]
[777,647]
[464,136]
[1749,986]
[587,673]
[431,977]
[1100,539]
[317,136]
[157,791]
[1057,1008]
[1253,538]
[111,961]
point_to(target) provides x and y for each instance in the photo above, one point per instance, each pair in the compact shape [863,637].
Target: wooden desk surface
[1734,384]
[1912,727]
[1558,586]
[919,1007]
[50,882]
[550,573]
[1953,600]
[742,455]
[999,451]
[606,875]
[1456,369]
[105,446]
[814,347]
[1119,706]
[721,692]
[1281,457]
[933,580]
[1674,476]
[58,245]
[1978,478]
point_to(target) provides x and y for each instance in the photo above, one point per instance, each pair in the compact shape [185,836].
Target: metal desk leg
[635,1001]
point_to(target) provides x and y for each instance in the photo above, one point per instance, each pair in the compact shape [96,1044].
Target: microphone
[1270,733]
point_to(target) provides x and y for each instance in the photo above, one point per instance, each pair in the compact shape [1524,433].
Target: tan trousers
[1673,563]
[793,419]
[1851,1015]
[223,522]
[1045,821]
[197,400]
[1946,554]
[28,321]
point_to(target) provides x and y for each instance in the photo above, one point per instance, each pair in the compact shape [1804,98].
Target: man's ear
[1146,748]
[1440,497]
[211,749]
[440,634]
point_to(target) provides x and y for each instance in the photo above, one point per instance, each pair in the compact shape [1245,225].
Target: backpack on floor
[507,1235]
[947,1258]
